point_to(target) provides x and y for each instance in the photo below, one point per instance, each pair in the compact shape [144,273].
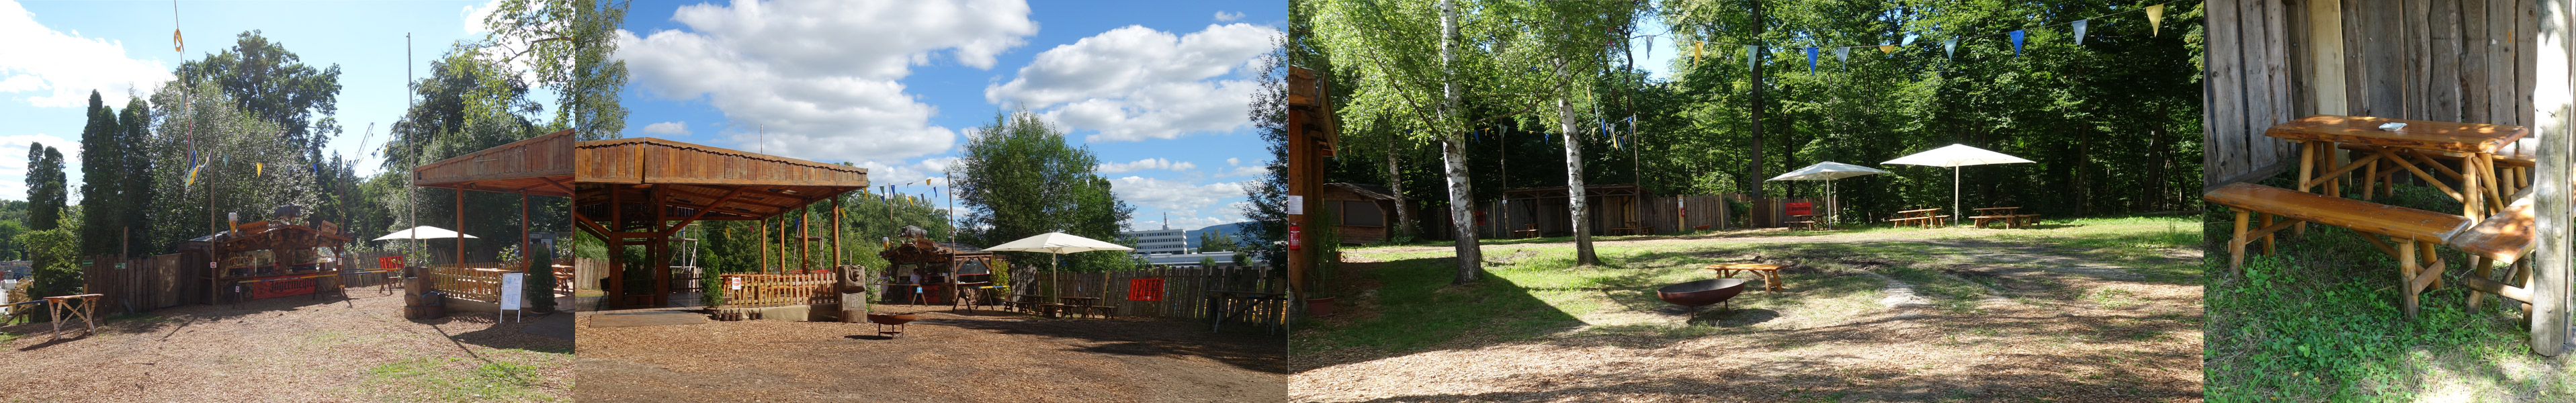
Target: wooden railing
[768,290]
[1185,290]
[469,282]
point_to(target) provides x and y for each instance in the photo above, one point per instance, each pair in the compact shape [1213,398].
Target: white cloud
[667,128]
[1237,169]
[1145,164]
[1173,195]
[474,15]
[63,68]
[13,164]
[1222,16]
[823,77]
[1136,83]
[910,175]
[1232,161]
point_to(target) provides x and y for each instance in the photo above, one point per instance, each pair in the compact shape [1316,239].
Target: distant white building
[1162,241]
[1192,259]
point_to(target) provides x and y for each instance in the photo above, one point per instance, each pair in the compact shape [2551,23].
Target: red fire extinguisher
[1296,237]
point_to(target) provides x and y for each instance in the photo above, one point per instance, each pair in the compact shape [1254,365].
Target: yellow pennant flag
[1696,50]
[2156,18]
[259,169]
[176,44]
[1888,49]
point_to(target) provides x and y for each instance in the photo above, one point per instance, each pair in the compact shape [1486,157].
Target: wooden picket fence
[471,281]
[1184,294]
[768,290]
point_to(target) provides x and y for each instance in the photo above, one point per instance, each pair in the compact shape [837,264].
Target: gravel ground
[981,356]
[289,349]
[2056,329]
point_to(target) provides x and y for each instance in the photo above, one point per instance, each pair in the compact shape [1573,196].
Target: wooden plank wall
[1185,289]
[2270,61]
[145,284]
[1710,210]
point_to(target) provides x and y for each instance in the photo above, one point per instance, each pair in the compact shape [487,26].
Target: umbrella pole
[1954,196]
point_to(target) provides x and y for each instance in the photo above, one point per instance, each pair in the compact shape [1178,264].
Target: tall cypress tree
[102,155]
[45,196]
[135,194]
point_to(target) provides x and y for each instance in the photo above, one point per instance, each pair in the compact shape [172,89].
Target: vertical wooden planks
[2476,98]
[2442,84]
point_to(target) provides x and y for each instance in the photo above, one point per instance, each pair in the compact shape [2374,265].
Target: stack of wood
[420,298]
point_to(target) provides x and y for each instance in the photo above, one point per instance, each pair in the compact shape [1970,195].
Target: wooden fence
[1184,294]
[471,281]
[142,283]
[2270,61]
[768,290]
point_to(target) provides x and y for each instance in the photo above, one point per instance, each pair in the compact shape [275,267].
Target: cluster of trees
[1489,88]
[242,131]
[1017,177]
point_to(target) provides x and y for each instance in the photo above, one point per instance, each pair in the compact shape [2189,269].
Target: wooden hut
[1366,212]
[643,191]
[1614,210]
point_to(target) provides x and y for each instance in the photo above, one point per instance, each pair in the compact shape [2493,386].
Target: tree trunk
[1574,190]
[1395,182]
[1453,155]
[1753,178]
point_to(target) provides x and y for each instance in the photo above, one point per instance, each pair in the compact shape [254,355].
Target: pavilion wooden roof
[687,182]
[541,166]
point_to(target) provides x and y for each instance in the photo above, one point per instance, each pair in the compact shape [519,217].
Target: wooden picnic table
[1926,218]
[1526,231]
[1262,307]
[1770,273]
[83,306]
[1083,305]
[2010,216]
[2475,143]
[1810,221]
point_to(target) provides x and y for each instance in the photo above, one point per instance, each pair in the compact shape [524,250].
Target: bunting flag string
[1842,55]
[1950,48]
[1811,60]
[2156,20]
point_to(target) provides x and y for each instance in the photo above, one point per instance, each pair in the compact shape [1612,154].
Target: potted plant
[1324,245]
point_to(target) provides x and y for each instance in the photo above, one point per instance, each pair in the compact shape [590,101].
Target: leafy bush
[53,252]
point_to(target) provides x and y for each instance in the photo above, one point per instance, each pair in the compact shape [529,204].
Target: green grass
[1540,293]
[510,375]
[2323,320]
[5,337]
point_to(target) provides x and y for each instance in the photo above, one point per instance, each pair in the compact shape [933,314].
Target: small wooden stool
[1770,273]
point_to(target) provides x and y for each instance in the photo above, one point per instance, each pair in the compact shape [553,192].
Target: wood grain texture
[2399,222]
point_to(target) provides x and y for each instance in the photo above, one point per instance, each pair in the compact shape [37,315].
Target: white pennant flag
[2079,30]
[1842,54]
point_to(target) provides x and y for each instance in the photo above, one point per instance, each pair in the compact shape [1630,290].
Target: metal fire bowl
[890,319]
[1701,293]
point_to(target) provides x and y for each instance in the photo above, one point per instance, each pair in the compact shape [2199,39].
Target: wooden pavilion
[642,191]
[537,166]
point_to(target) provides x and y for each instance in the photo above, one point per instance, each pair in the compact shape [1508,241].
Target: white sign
[1296,205]
[512,287]
[735,281]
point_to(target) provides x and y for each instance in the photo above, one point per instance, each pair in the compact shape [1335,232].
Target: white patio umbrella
[1055,244]
[1955,156]
[1828,171]
[423,232]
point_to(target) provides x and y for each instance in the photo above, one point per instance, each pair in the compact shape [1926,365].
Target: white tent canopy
[1828,171]
[423,232]
[1955,156]
[1055,243]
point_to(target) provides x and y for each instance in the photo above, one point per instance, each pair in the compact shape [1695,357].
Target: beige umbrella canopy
[1955,156]
[423,232]
[1055,243]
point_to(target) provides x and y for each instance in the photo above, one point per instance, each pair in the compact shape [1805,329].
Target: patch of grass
[2112,298]
[504,378]
[5,337]
[2323,321]
[1532,288]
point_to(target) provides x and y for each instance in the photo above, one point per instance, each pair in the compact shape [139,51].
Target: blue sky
[1155,89]
[53,53]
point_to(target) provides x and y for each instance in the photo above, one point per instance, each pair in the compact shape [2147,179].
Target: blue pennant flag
[2079,30]
[2016,38]
[1811,60]
[1950,48]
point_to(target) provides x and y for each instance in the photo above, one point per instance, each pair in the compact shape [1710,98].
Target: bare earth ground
[982,356]
[288,349]
[2052,327]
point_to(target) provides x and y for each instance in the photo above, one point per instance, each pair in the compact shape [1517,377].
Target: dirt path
[945,357]
[289,349]
[2023,322]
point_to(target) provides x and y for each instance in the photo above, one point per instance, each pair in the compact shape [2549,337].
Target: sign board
[1145,289]
[513,286]
[389,262]
[1296,205]
[736,282]
[120,265]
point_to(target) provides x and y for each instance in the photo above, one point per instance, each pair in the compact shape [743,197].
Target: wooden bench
[2414,232]
[1526,231]
[1770,273]
[2501,239]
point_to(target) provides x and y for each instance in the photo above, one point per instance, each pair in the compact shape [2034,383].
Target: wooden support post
[616,249]
[2406,274]
[2236,245]
[2556,110]
[2478,270]
[460,227]
[2307,172]
[763,226]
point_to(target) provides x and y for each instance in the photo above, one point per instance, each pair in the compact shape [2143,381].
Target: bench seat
[2414,232]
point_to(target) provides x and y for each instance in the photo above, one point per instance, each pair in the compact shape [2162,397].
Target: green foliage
[1215,241]
[55,253]
[10,249]
[273,84]
[570,46]
[114,203]
[1017,177]
[541,280]
[470,102]
[46,197]
[248,165]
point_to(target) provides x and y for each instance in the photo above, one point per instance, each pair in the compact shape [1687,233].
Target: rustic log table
[1083,305]
[1811,222]
[78,305]
[1926,218]
[2476,143]
[1770,273]
[2010,216]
